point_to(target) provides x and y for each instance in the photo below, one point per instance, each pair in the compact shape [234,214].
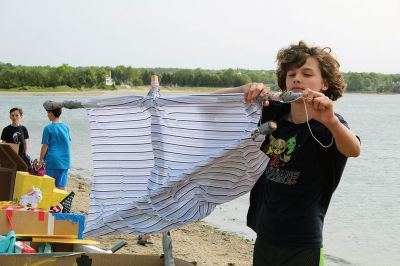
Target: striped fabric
[160,163]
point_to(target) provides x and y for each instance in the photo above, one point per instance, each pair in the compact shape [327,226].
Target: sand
[195,242]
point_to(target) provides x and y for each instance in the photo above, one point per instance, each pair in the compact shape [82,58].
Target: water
[363,222]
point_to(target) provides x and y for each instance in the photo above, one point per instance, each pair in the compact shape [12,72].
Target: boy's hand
[319,107]
[253,90]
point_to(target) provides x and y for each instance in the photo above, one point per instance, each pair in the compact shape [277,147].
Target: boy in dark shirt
[307,153]
[16,133]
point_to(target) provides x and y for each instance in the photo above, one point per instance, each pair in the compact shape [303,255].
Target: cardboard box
[63,247]
[14,146]
[42,224]
[10,162]
[72,259]
[51,196]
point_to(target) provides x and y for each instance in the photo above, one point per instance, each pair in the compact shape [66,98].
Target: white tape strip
[50,224]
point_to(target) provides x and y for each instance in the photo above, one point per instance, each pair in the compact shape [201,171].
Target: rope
[308,123]
[309,127]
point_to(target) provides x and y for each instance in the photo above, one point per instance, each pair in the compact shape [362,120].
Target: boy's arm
[26,145]
[320,108]
[228,90]
[251,91]
[43,151]
[346,142]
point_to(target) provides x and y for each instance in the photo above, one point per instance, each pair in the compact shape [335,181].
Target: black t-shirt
[290,200]
[16,135]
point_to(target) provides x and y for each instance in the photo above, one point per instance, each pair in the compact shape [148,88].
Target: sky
[364,35]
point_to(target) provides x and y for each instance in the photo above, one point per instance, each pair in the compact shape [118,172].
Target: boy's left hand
[319,107]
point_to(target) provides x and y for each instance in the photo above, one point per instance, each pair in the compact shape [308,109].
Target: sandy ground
[198,243]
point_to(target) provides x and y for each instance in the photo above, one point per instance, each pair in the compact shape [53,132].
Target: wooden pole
[166,236]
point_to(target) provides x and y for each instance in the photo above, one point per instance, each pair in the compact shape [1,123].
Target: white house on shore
[109,80]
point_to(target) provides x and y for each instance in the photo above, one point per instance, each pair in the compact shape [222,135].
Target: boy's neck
[297,113]
[56,120]
[15,124]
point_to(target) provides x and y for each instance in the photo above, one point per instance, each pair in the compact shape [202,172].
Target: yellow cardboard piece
[47,236]
[5,203]
[58,196]
[51,196]
[64,240]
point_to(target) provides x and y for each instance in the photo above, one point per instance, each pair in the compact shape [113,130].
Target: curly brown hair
[296,55]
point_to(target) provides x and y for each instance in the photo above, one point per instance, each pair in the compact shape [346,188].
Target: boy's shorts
[60,175]
[266,254]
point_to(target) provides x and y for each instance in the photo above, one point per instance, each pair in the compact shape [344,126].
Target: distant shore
[97,92]
[124,90]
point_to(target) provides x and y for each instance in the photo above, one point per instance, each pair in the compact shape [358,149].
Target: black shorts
[266,254]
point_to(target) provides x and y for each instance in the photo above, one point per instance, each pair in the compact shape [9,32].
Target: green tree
[184,77]
[8,78]
[354,82]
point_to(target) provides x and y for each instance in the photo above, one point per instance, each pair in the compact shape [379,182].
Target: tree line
[12,76]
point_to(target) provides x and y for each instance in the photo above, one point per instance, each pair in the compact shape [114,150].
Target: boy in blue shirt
[55,149]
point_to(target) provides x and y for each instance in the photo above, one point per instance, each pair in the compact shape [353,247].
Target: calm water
[363,222]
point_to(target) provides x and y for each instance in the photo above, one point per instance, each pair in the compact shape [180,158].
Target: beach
[197,242]
[357,224]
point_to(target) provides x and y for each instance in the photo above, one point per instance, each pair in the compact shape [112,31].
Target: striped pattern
[165,162]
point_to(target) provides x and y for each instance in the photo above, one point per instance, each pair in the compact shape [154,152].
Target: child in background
[55,149]
[17,133]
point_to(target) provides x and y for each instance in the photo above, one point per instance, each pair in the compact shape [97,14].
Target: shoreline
[196,242]
[133,91]
[67,93]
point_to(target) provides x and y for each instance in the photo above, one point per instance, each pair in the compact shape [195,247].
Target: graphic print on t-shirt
[280,152]
[17,137]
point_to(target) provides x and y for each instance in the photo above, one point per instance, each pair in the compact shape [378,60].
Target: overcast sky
[210,34]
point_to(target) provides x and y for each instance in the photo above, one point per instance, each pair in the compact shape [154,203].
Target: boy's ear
[326,85]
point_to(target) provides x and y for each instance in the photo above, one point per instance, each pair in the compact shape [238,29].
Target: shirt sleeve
[26,134]
[46,136]
[3,134]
